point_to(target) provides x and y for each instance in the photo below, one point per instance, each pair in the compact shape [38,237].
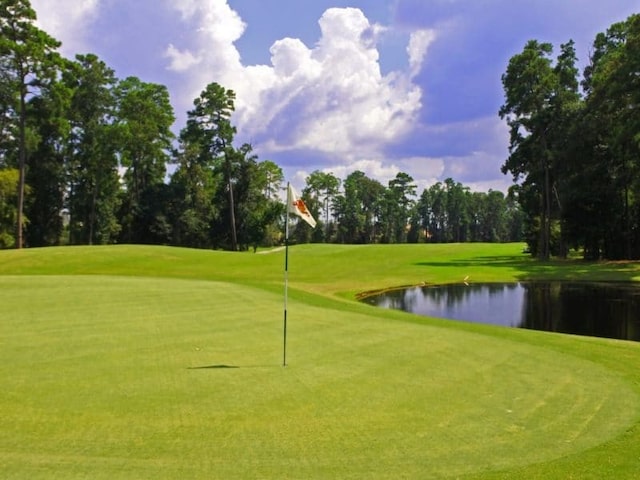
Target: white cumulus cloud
[67,21]
[329,97]
[180,60]
[417,49]
[208,53]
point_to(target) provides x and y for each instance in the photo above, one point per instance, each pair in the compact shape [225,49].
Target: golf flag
[298,207]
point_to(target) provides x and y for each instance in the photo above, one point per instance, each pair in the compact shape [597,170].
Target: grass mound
[149,362]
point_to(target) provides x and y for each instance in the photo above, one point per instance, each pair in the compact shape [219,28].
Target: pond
[605,309]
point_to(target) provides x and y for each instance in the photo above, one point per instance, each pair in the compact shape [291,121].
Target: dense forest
[575,144]
[85,156]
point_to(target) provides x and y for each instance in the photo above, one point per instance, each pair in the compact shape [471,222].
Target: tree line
[84,157]
[363,210]
[575,144]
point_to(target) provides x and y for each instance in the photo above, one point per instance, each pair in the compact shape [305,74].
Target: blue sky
[381,86]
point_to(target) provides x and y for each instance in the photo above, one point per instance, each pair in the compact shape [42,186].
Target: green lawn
[132,362]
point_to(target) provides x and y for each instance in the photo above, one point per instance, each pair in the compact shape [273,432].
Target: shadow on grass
[532,269]
[213,367]
[225,367]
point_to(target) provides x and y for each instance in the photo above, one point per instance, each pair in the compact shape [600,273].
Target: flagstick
[286,261]
[286,276]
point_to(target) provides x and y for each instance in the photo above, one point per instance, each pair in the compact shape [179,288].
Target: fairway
[109,373]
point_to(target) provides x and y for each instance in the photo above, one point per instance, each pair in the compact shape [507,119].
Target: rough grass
[153,362]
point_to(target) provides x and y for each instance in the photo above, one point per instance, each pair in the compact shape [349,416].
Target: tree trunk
[22,167]
[92,215]
[232,209]
[547,213]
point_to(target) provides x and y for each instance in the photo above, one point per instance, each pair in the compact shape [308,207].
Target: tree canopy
[574,154]
[88,158]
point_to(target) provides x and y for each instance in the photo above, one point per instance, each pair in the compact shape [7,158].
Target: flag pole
[286,277]
[294,205]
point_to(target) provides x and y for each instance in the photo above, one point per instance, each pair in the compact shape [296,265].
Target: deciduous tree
[28,57]
[94,182]
[538,96]
[143,120]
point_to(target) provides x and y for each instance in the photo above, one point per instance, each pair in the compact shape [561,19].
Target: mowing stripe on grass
[124,377]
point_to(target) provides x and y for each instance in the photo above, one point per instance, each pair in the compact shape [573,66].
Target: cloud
[330,97]
[471,152]
[418,44]
[321,103]
[373,168]
[425,171]
[327,105]
[341,101]
[180,60]
[67,21]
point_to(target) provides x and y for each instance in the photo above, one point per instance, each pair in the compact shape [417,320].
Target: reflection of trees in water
[455,294]
[596,309]
[540,303]
[400,299]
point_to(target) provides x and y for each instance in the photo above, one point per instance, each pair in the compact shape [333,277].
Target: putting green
[114,377]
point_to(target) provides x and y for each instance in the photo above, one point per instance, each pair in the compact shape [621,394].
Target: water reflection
[610,310]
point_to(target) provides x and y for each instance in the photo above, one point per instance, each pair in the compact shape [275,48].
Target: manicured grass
[155,362]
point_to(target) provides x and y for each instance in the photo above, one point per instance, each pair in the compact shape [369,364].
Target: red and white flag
[297,207]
